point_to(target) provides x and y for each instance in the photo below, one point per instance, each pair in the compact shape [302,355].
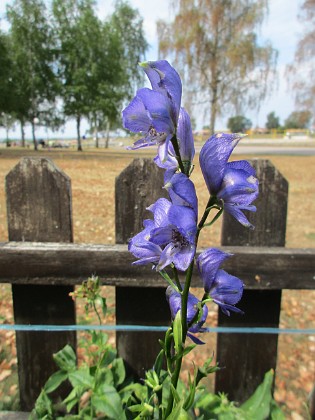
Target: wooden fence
[43,264]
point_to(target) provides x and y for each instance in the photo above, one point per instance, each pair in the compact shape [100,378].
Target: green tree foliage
[272,121]
[95,60]
[215,45]
[5,73]
[31,50]
[239,124]
[298,120]
[301,72]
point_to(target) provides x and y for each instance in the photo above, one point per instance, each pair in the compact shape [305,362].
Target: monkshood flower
[234,183]
[154,112]
[140,245]
[175,303]
[225,290]
[176,237]
[168,238]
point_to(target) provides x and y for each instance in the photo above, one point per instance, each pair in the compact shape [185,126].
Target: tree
[93,59]
[298,120]
[32,54]
[239,124]
[272,121]
[301,73]
[215,45]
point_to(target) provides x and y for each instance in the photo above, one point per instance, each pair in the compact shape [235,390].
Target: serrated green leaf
[66,358]
[55,380]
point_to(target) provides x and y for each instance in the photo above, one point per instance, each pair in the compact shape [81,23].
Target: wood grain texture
[39,209]
[137,187]
[261,268]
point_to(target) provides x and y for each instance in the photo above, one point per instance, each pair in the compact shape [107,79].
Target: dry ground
[93,175]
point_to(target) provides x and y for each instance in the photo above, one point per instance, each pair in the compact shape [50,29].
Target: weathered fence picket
[44,267]
[138,186]
[39,209]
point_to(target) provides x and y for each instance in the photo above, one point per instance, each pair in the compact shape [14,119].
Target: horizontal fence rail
[69,264]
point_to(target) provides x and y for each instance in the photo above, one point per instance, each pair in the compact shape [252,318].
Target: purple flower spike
[175,303]
[224,289]
[234,183]
[185,137]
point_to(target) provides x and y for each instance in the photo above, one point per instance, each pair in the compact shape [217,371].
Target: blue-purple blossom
[193,304]
[167,239]
[177,237]
[185,137]
[234,183]
[225,290]
[154,112]
[182,191]
[140,245]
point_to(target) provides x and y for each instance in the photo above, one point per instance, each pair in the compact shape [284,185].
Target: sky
[281,27]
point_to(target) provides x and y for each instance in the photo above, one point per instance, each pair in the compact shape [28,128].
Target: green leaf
[43,407]
[276,412]
[159,362]
[188,349]
[55,380]
[66,359]
[119,372]
[178,413]
[178,333]
[108,357]
[81,378]
[72,399]
[109,403]
[258,405]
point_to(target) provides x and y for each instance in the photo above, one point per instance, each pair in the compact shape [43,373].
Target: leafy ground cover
[93,176]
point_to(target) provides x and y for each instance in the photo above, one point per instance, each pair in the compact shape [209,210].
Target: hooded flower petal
[208,263]
[182,191]
[185,137]
[141,248]
[233,183]
[214,156]
[225,290]
[165,79]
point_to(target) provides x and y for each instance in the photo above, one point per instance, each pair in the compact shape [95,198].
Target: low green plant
[100,388]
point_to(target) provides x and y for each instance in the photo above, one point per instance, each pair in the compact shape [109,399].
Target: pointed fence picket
[43,265]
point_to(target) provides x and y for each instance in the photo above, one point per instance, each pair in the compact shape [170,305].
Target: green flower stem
[177,153]
[212,203]
[177,278]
